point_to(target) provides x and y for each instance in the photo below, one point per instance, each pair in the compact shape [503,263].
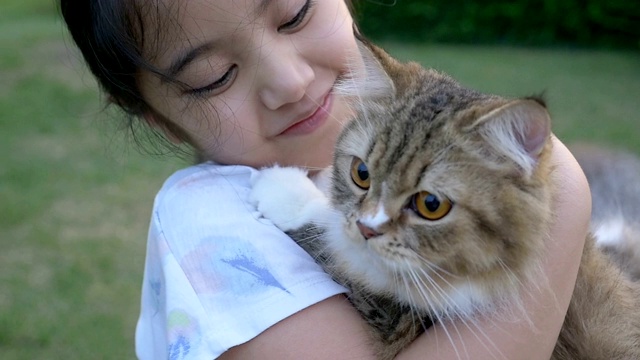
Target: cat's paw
[286,196]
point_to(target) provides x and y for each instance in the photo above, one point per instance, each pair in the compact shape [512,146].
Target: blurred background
[75,194]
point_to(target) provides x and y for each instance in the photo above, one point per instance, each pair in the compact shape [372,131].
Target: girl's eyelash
[299,17]
[221,82]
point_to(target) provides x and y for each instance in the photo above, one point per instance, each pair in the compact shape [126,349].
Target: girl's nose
[286,75]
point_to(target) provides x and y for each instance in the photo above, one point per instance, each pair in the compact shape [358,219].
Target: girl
[246,84]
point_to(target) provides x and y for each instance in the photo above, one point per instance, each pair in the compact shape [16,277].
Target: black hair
[110,34]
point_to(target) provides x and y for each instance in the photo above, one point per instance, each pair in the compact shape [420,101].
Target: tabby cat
[437,207]
[614,179]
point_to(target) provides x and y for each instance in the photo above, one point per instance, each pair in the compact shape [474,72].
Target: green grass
[75,202]
[592,95]
[75,199]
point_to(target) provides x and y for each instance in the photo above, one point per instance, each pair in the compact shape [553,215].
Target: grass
[75,198]
[592,95]
[75,203]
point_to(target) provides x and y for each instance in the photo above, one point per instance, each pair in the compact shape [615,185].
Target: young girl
[247,84]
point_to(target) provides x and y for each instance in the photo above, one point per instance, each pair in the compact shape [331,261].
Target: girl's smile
[312,122]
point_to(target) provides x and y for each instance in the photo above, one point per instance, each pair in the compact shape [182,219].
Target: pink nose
[366,231]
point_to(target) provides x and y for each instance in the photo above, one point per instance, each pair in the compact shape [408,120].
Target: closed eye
[298,18]
[216,86]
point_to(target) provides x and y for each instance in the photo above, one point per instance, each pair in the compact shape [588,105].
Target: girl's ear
[153,121]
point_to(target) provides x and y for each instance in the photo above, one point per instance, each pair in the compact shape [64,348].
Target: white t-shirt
[216,274]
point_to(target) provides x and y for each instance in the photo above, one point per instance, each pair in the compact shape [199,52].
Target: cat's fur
[419,130]
[614,179]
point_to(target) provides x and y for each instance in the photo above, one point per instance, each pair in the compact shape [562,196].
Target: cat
[614,179]
[437,207]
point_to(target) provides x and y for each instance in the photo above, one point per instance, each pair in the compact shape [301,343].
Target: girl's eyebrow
[188,56]
[262,7]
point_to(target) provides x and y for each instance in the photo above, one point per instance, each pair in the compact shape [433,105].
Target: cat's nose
[366,231]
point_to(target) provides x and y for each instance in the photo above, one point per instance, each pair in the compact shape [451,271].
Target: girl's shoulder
[205,199]
[212,259]
[205,188]
[206,179]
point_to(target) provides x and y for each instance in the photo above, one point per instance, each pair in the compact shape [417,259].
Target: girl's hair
[110,34]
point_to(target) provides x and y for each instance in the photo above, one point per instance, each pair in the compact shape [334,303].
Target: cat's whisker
[441,317]
[312,168]
[407,292]
[446,299]
[510,274]
[474,328]
[466,318]
[402,285]
[477,331]
[435,268]
[468,321]
[514,302]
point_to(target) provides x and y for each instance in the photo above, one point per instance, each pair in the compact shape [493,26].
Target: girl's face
[259,76]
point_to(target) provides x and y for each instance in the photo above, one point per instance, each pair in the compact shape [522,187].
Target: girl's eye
[360,174]
[298,18]
[429,206]
[218,85]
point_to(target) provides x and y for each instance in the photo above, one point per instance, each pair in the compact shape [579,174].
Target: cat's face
[442,190]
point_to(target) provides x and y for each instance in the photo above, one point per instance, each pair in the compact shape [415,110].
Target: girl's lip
[313,122]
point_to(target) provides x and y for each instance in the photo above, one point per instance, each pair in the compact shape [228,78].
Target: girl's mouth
[314,121]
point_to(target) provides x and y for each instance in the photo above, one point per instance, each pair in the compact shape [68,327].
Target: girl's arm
[332,329]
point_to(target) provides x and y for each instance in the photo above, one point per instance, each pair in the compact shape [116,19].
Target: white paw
[286,196]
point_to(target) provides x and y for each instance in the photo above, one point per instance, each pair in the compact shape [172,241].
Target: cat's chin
[352,252]
[387,274]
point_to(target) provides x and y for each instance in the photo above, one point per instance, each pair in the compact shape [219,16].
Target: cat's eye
[360,174]
[430,206]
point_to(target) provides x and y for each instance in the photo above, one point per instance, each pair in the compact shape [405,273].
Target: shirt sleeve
[216,274]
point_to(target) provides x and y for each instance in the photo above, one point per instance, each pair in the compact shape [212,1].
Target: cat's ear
[518,130]
[368,78]
[402,75]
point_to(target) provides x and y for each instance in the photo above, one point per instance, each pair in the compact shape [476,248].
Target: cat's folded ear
[519,130]
[402,75]
[369,80]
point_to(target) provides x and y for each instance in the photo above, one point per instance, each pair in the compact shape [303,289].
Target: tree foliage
[592,23]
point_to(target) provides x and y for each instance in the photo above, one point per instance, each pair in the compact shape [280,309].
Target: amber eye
[429,206]
[360,174]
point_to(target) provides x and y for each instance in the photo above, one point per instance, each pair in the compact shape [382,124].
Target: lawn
[75,195]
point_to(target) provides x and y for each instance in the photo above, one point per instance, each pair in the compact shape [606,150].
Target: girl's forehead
[176,24]
[191,15]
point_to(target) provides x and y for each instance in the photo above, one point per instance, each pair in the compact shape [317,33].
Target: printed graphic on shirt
[254,270]
[229,265]
[156,295]
[183,331]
